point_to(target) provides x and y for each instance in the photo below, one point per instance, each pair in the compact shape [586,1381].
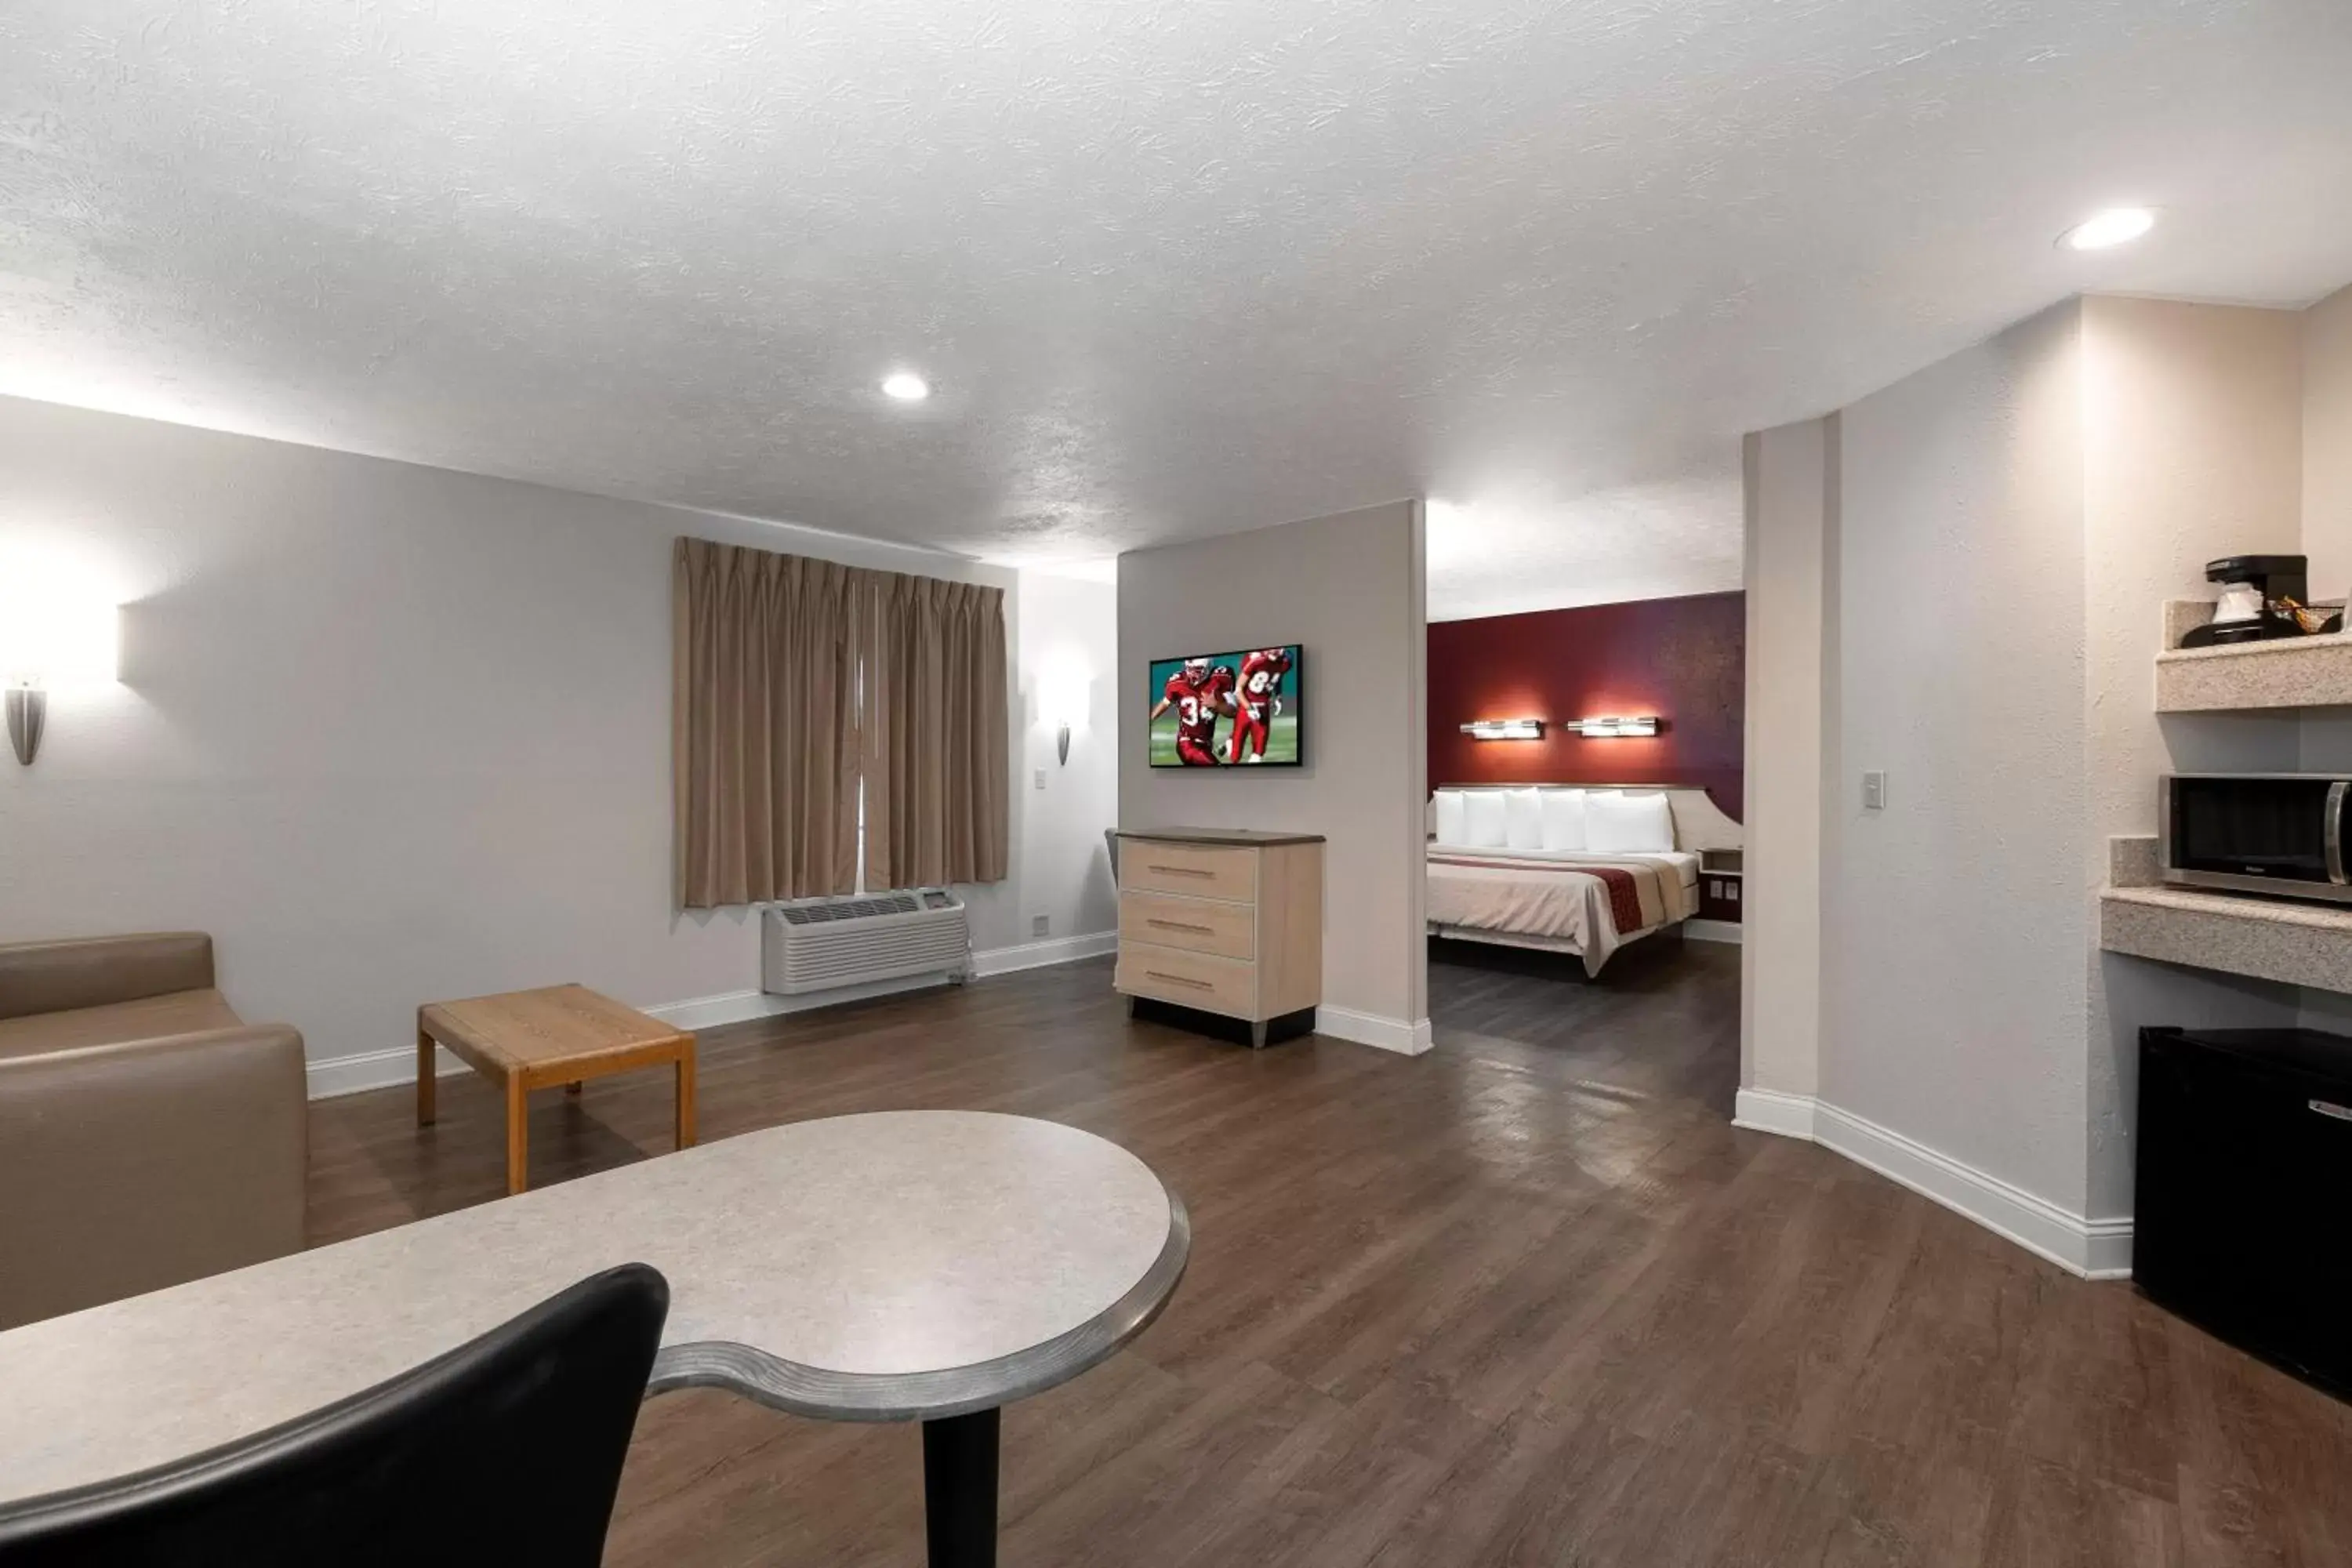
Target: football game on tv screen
[1228,710]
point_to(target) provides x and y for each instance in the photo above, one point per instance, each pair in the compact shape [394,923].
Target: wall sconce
[1065,693]
[1504,729]
[47,642]
[1614,729]
[29,710]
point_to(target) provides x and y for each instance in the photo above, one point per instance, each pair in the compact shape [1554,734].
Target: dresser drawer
[1197,925]
[1201,871]
[1200,980]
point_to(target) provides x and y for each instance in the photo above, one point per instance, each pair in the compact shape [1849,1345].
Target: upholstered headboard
[1699,823]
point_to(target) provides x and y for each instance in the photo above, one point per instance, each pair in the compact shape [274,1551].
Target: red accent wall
[1682,659]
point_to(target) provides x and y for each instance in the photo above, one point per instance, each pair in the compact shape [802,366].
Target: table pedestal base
[960,1490]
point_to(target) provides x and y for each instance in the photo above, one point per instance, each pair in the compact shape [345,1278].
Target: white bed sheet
[1513,896]
[1685,862]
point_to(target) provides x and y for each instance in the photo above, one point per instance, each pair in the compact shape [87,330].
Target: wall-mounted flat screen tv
[1242,710]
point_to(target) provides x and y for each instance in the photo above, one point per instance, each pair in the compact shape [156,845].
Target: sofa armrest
[125,1168]
[98,971]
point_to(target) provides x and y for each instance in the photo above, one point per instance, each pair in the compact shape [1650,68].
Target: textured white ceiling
[1176,266]
[1630,541]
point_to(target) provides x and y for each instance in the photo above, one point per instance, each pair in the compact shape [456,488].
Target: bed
[1491,878]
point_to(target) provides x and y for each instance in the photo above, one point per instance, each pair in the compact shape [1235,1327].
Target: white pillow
[1563,819]
[1451,812]
[1523,819]
[1483,818]
[1618,823]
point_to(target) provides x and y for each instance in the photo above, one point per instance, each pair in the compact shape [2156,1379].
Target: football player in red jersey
[1199,692]
[1258,700]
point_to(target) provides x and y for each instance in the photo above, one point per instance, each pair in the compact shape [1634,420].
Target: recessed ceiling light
[2117,225]
[905,386]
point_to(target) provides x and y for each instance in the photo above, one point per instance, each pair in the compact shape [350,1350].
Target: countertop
[2235,933]
[905,1265]
[1239,837]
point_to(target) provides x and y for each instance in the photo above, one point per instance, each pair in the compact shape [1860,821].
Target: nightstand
[1719,876]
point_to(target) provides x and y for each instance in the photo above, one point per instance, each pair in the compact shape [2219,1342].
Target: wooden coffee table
[524,1040]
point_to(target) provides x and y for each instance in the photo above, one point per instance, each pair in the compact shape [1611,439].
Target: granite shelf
[2268,939]
[2290,672]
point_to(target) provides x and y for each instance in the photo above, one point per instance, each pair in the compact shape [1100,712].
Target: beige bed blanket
[1567,904]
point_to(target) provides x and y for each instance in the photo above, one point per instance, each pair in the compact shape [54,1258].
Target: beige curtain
[936,732]
[797,678]
[763,726]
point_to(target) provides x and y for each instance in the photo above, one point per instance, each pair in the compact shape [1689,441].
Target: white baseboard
[1371,1029]
[387,1069]
[2094,1248]
[2107,1246]
[743,1007]
[1039,954]
[2097,1249]
[1712,931]
[372,1069]
[1769,1111]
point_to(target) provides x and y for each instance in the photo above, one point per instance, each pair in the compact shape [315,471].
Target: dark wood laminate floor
[1526,1300]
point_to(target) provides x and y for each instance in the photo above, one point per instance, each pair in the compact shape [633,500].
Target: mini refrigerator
[2243,1219]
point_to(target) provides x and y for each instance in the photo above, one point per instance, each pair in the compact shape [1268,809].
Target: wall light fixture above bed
[1504,729]
[1613,729]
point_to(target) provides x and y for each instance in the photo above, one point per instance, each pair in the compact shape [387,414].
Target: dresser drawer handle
[1180,980]
[1185,871]
[1179,925]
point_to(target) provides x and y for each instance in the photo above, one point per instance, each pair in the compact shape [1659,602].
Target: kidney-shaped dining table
[929,1266]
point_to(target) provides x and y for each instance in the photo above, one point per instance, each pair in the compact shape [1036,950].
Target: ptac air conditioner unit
[819,944]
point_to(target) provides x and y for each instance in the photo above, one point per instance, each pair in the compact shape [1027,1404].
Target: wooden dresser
[1222,920]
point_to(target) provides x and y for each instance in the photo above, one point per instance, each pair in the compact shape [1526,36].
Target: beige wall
[1348,588]
[2328,444]
[2327,539]
[1789,527]
[2192,436]
[2191,424]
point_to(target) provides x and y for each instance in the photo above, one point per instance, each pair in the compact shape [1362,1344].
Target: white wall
[390,734]
[1789,529]
[1349,589]
[1067,625]
[1953,931]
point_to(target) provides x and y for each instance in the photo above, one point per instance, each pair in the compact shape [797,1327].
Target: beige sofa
[148,1135]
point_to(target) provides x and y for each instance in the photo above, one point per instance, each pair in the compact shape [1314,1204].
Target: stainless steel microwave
[2280,834]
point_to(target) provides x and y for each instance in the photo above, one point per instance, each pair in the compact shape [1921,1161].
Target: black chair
[506,1451]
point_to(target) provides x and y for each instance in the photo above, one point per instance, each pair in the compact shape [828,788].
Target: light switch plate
[1040,778]
[1874,791]
[1041,925]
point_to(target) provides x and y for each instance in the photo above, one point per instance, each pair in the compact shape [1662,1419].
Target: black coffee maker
[2262,596]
